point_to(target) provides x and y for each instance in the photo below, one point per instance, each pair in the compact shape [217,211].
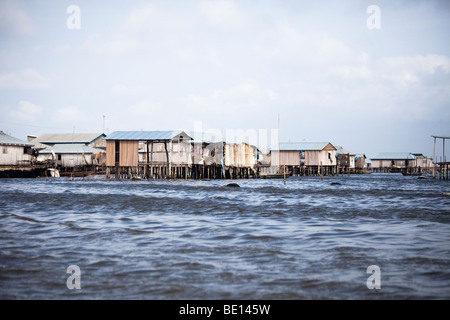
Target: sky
[370,76]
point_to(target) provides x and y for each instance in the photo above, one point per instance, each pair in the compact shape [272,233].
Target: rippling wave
[309,239]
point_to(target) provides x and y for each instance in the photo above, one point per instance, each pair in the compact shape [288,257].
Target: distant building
[423,162]
[95,140]
[361,161]
[71,151]
[401,162]
[18,159]
[14,152]
[69,156]
[345,160]
[305,157]
[160,151]
[392,161]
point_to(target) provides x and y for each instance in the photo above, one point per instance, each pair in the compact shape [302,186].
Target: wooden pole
[167,158]
[434,159]
[146,165]
[151,162]
[321,170]
[443,151]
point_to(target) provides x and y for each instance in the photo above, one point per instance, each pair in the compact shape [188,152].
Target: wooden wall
[110,153]
[287,158]
[13,155]
[129,156]
[240,155]
[360,163]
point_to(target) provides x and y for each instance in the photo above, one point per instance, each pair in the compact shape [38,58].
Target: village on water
[182,155]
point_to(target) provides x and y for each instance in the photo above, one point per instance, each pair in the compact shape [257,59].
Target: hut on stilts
[165,154]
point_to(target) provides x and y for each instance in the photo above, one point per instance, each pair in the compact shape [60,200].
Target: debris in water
[234,185]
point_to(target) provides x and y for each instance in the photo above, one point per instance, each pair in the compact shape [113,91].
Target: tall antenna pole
[103,124]
[279,162]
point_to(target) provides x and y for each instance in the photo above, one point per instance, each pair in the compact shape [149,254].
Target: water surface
[308,239]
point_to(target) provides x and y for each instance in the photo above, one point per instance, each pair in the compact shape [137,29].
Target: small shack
[345,160]
[305,158]
[74,157]
[240,160]
[361,163]
[94,140]
[163,153]
[13,151]
[423,162]
[393,162]
[207,156]
[18,158]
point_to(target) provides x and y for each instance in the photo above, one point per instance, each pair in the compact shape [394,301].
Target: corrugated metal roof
[289,146]
[340,150]
[75,148]
[145,135]
[8,140]
[206,137]
[53,138]
[394,156]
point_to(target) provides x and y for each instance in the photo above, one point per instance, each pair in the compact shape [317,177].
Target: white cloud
[28,79]
[125,90]
[116,46]
[406,70]
[298,48]
[26,112]
[13,19]
[147,28]
[147,108]
[245,99]
[222,14]
[70,116]
[139,19]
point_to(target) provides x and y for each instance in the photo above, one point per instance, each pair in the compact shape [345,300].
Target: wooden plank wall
[12,155]
[129,156]
[240,155]
[312,158]
[110,153]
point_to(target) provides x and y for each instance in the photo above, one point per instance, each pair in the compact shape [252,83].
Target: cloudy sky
[340,71]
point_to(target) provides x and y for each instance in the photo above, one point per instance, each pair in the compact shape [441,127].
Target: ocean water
[312,238]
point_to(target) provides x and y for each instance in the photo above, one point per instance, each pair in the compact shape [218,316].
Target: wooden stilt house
[166,153]
[305,158]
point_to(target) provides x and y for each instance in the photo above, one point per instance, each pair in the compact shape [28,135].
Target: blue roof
[145,135]
[394,156]
[289,146]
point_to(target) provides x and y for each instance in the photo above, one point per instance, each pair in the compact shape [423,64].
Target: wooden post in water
[284,174]
[434,159]
[443,151]
[321,171]
[168,173]
[151,162]
[146,173]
